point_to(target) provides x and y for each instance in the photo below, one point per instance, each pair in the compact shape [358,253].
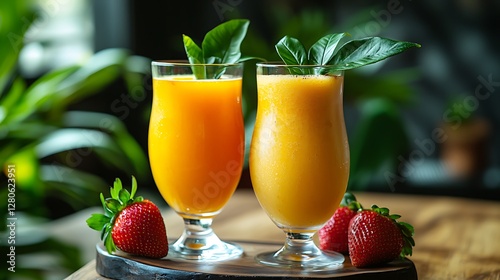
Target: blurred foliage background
[75,94]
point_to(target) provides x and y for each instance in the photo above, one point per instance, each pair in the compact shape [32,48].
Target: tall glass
[299,158]
[196,149]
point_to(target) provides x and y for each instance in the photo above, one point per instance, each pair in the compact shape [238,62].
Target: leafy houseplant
[40,138]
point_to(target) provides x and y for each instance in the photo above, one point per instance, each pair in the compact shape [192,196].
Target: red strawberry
[333,235]
[375,237]
[133,225]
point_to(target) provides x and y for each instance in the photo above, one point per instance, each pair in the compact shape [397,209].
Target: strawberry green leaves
[119,200]
[407,230]
[351,55]
[221,45]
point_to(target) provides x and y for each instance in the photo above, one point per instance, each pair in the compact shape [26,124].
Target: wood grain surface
[456,238]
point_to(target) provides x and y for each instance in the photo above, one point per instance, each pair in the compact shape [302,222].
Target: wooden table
[455,238]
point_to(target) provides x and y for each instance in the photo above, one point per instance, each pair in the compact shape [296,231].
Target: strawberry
[333,235]
[375,237]
[132,225]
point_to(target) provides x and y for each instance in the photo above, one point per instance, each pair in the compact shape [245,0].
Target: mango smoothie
[196,142]
[299,158]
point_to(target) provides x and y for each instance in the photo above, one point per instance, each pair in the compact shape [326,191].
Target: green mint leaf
[358,53]
[322,51]
[222,44]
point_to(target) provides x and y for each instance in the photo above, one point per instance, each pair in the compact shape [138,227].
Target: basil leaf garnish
[221,45]
[351,55]
[358,53]
[322,51]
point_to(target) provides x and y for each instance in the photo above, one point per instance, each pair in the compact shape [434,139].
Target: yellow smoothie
[299,157]
[196,142]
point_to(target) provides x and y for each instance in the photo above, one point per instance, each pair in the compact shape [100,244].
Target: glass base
[300,252]
[199,243]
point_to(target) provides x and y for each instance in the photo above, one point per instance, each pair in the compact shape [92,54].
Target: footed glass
[196,149]
[299,158]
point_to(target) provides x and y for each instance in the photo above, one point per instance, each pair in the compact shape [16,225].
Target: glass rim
[185,62]
[278,64]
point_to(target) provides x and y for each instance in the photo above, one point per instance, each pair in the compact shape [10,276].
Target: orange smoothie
[196,142]
[299,158]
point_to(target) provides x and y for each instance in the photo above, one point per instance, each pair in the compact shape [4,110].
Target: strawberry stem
[350,201]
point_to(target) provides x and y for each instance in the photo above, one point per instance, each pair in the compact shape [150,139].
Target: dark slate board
[124,266]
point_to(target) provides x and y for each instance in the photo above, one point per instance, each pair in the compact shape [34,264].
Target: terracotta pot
[466,149]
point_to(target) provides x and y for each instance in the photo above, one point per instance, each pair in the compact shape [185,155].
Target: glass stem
[299,247]
[197,235]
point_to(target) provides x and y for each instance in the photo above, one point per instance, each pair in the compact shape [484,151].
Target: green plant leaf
[12,97]
[40,95]
[115,190]
[358,53]
[97,221]
[195,56]
[322,51]
[134,187]
[291,51]
[221,45]
[100,143]
[28,130]
[247,58]
[193,51]
[70,184]
[29,179]
[14,17]
[370,153]
[223,42]
[118,133]
[101,69]
[124,195]
[113,205]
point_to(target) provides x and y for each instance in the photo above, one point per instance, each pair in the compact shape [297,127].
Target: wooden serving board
[124,266]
